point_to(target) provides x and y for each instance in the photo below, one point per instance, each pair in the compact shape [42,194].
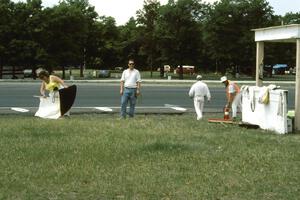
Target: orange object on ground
[221,121]
[226,113]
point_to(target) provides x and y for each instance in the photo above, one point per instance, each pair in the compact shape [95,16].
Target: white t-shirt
[130,78]
[199,89]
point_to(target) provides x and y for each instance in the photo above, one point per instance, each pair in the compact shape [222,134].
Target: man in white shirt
[234,96]
[198,91]
[129,88]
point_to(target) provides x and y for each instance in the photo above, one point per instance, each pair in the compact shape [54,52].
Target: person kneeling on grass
[198,92]
[60,99]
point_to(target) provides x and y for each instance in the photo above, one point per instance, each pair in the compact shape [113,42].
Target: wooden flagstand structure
[286,33]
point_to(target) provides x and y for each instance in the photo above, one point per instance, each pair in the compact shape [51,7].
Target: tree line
[212,37]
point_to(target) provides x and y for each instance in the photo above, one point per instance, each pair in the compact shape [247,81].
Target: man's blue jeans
[129,94]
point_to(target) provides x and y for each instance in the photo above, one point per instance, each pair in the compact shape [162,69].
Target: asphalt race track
[90,95]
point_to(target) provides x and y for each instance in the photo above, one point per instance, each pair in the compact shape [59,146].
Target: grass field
[148,157]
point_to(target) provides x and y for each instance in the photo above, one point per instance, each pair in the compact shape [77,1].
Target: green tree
[228,35]
[109,37]
[130,42]
[89,18]
[68,26]
[291,18]
[6,16]
[23,46]
[147,19]
[179,31]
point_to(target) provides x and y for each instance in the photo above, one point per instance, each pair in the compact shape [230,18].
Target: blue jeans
[129,94]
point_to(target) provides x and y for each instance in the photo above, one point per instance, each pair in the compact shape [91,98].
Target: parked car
[280,68]
[186,69]
[167,68]
[104,73]
[28,73]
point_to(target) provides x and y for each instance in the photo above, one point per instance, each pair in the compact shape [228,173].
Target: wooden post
[259,63]
[297,87]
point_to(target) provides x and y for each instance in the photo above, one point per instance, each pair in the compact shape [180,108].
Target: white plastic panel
[271,116]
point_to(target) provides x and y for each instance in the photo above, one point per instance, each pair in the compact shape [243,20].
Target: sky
[122,10]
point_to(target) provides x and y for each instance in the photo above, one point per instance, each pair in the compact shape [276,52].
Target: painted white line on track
[179,109]
[106,109]
[175,107]
[19,109]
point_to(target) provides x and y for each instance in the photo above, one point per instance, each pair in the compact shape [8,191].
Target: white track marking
[106,109]
[174,107]
[179,109]
[102,108]
[19,110]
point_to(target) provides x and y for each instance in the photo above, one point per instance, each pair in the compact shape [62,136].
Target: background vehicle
[104,73]
[28,73]
[280,68]
[186,69]
[167,68]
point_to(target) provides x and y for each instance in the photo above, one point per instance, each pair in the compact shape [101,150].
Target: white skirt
[49,107]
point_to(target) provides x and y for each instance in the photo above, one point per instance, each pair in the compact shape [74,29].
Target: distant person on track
[129,89]
[198,92]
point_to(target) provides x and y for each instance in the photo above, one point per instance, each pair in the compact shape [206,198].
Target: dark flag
[67,98]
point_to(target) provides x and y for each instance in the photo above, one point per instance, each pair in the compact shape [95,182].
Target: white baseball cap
[199,77]
[223,78]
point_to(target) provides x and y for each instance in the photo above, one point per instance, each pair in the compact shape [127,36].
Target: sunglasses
[131,64]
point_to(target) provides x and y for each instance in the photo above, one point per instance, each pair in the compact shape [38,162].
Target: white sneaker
[199,118]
